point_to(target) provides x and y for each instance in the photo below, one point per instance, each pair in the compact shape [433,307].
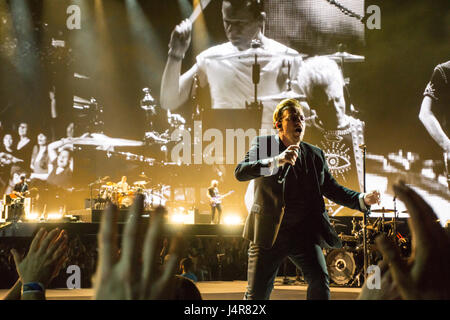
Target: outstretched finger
[47,239]
[399,271]
[37,240]
[422,217]
[60,250]
[59,264]
[130,234]
[56,243]
[165,285]
[150,248]
[107,237]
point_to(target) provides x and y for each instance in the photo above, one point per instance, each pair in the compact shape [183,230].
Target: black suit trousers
[302,249]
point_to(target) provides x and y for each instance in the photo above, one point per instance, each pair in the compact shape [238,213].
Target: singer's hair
[286,104]
[256,7]
[318,72]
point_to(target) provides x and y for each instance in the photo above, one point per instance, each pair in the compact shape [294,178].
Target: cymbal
[383,210]
[101,140]
[261,54]
[142,175]
[284,95]
[345,237]
[397,222]
[345,57]
[338,225]
[140,183]
[111,184]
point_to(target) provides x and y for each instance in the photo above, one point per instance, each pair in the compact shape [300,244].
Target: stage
[28,229]
[220,290]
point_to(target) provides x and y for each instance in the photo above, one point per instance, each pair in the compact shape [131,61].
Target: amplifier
[202,217]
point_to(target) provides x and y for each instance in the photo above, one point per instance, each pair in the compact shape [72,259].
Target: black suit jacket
[264,220]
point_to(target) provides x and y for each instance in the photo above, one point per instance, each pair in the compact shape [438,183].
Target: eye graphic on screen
[337,162]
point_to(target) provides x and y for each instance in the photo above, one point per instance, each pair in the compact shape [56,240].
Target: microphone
[284,172]
[286,168]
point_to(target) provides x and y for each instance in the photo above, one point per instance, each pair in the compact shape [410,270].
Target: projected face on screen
[241,25]
[7,141]
[329,103]
[63,159]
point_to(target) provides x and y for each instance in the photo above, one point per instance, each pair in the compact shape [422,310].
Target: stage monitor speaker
[202,217]
[85,215]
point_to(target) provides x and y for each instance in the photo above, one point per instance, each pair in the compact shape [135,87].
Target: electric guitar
[218,199]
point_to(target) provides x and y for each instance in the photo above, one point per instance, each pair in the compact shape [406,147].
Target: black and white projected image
[80,108]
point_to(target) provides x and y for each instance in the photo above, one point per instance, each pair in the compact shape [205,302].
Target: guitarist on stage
[20,190]
[21,187]
[215,200]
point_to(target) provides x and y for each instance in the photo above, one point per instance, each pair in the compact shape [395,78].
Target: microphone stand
[256,70]
[364,148]
[394,224]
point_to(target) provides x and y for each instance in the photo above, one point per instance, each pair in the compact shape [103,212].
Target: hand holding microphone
[287,159]
[288,156]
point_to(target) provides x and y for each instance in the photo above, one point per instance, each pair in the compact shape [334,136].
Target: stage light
[185,7]
[147,50]
[232,219]
[27,60]
[8,45]
[32,216]
[54,216]
[200,37]
[177,218]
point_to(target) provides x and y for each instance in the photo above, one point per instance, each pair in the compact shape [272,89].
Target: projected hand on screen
[180,39]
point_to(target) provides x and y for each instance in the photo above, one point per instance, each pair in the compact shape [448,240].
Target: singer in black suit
[288,216]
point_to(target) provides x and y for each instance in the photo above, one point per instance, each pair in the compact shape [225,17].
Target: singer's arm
[257,162]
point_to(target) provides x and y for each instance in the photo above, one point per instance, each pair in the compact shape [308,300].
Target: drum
[126,199]
[343,264]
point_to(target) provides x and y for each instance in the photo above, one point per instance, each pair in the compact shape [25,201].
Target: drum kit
[346,265]
[112,192]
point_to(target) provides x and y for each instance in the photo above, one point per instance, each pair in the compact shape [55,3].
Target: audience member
[186,289]
[40,266]
[135,273]
[186,268]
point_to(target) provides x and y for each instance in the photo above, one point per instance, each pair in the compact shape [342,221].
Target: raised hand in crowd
[426,274]
[136,273]
[43,262]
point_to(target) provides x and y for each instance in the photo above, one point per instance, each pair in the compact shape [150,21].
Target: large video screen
[95,95]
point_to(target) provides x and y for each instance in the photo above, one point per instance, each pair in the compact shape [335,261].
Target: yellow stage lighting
[232,219]
[54,216]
